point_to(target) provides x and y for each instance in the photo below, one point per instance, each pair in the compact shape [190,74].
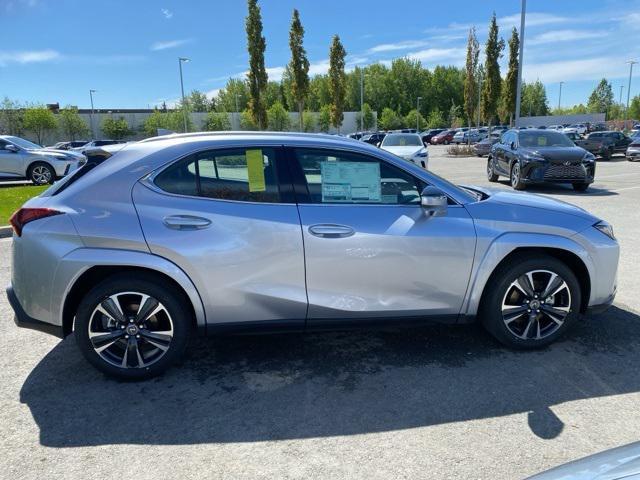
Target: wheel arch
[506,250]
[32,162]
[80,271]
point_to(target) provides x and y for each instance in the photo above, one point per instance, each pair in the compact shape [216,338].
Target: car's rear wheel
[132,326]
[492,176]
[516,177]
[531,301]
[580,187]
[41,174]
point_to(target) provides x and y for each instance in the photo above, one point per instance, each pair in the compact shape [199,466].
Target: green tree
[406,75]
[534,99]
[601,98]
[324,118]
[337,54]
[235,93]
[71,124]
[257,76]
[455,115]
[435,119]
[492,79]
[172,120]
[369,119]
[198,101]
[11,117]
[634,108]
[246,121]
[471,78]
[278,118]
[116,128]
[217,121]
[508,106]
[39,120]
[414,117]
[308,121]
[318,92]
[390,120]
[299,64]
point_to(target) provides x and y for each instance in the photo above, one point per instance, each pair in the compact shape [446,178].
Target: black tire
[177,312]
[516,178]
[492,176]
[41,173]
[580,187]
[500,285]
[608,154]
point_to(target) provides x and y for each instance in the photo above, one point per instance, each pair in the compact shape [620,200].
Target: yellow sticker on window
[542,141]
[255,168]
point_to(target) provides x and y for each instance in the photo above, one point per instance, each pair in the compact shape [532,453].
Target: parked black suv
[539,156]
[605,144]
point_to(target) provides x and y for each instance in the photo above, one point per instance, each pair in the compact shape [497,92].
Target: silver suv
[20,158]
[250,231]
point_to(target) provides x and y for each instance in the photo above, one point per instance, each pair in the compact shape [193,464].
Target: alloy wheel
[41,175]
[515,174]
[130,330]
[536,305]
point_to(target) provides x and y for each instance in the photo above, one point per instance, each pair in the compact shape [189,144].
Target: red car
[444,137]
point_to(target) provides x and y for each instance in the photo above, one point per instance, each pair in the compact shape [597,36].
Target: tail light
[25,215]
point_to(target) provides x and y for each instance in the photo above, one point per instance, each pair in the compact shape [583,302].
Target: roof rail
[242,133]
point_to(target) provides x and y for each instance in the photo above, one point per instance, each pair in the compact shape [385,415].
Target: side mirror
[11,148]
[512,145]
[378,144]
[433,201]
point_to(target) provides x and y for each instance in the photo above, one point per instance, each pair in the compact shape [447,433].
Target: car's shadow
[260,388]
[563,189]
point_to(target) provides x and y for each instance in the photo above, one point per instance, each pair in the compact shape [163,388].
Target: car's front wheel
[41,174]
[532,301]
[516,177]
[580,187]
[132,326]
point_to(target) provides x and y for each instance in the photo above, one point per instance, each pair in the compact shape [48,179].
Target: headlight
[588,157]
[605,228]
[422,153]
[532,158]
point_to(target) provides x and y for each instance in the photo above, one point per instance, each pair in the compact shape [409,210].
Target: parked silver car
[247,231]
[20,158]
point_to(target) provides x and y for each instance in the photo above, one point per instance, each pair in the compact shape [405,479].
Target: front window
[247,175]
[21,142]
[544,139]
[345,177]
[402,140]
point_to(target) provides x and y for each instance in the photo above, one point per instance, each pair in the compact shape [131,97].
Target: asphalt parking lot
[434,402]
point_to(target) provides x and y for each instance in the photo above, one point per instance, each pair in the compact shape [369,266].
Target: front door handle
[329,230]
[186,222]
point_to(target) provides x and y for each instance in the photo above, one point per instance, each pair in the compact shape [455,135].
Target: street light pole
[93,131]
[362,99]
[626,112]
[418,114]
[519,84]
[479,90]
[620,101]
[184,107]
[560,95]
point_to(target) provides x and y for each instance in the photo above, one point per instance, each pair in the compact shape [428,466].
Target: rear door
[227,218]
[371,250]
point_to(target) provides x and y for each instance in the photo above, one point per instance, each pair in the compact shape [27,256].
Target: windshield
[22,143]
[402,140]
[544,139]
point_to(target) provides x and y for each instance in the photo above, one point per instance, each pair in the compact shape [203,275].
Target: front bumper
[545,172]
[633,154]
[23,320]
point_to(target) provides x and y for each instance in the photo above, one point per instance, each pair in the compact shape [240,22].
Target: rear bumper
[23,320]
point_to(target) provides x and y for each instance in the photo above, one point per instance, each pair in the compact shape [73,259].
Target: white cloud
[168,14]
[532,19]
[567,70]
[391,47]
[456,55]
[24,57]
[555,36]
[164,45]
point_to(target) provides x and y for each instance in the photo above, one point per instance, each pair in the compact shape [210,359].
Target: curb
[6,232]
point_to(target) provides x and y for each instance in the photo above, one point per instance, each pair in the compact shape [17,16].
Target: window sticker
[350,182]
[542,141]
[255,167]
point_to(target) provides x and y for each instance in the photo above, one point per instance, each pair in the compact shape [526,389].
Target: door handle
[186,222]
[329,230]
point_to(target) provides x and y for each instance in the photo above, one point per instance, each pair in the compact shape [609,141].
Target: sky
[55,51]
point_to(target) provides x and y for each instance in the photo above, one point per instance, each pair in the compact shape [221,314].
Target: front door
[10,161]
[224,218]
[370,248]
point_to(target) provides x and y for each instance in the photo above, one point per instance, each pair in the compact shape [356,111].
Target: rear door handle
[329,230]
[186,222]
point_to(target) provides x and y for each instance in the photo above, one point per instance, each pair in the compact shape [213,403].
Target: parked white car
[408,146]
[20,158]
[579,128]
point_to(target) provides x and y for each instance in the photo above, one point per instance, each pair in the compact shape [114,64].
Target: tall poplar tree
[492,80]
[257,76]
[337,81]
[511,82]
[299,64]
[471,76]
